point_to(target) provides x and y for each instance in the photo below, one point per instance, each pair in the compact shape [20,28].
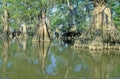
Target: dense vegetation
[62,17]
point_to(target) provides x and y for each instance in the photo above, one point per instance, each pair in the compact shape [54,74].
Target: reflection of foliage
[89,62]
[14,46]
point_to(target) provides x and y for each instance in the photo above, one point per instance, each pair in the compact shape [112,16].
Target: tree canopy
[58,12]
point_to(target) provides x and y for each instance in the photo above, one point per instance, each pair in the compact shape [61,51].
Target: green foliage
[116,14]
[28,11]
[57,22]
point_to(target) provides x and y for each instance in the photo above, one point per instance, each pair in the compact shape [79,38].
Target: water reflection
[56,61]
[4,57]
[52,66]
[43,52]
[23,43]
[103,64]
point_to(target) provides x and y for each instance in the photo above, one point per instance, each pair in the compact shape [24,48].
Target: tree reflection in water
[102,64]
[4,55]
[43,52]
[23,43]
[48,61]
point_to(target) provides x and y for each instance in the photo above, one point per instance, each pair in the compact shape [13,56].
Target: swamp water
[23,59]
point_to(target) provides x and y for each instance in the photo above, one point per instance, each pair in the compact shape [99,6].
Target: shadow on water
[24,59]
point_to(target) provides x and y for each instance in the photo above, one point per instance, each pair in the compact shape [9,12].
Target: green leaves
[28,11]
[116,13]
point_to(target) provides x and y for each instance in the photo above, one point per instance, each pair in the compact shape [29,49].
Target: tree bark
[102,19]
[5,23]
[102,30]
[42,34]
[5,28]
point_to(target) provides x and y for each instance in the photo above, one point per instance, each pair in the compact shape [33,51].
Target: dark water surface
[23,59]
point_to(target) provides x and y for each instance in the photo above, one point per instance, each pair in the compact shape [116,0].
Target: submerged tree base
[97,45]
[98,40]
[36,39]
[102,33]
[94,47]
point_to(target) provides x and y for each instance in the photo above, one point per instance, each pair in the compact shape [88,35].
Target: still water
[23,59]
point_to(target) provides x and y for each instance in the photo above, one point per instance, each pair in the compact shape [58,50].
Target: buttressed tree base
[102,31]
[42,31]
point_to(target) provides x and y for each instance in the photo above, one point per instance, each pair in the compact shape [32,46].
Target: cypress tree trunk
[102,18]
[102,30]
[5,23]
[5,27]
[42,34]
[23,30]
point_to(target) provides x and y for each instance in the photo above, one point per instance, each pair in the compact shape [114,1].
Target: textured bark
[5,23]
[102,18]
[102,30]
[23,30]
[5,27]
[42,31]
